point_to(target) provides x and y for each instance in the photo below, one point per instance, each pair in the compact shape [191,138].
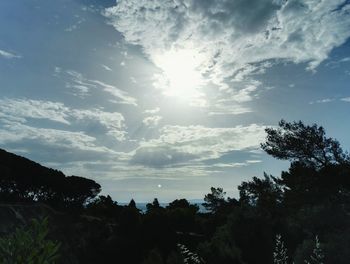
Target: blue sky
[168,98]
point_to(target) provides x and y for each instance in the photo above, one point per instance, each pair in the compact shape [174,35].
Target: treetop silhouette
[306,144]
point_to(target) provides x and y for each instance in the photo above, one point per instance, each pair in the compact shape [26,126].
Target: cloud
[53,144]
[159,157]
[80,85]
[61,134]
[152,120]
[113,122]
[197,143]
[322,101]
[226,108]
[106,67]
[345,99]
[235,38]
[152,111]
[21,111]
[346,59]
[122,96]
[79,21]
[9,55]
[83,85]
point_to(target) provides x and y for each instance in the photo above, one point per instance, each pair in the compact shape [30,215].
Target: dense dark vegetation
[311,199]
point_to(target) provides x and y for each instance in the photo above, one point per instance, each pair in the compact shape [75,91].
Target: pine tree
[188,256]
[280,252]
[317,256]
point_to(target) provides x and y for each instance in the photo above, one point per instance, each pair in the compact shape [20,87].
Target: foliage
[29,245]
[154,257]
[306,144]
[215,199]
[132,204]
[280,253]
[189,256]
[153,206]
[262,193]
[317,256]
[25,181]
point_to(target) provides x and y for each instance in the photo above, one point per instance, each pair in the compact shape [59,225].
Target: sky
[166,98]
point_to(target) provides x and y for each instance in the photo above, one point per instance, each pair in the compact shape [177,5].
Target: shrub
[29,245]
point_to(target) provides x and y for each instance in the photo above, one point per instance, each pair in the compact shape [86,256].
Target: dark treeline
[311,199]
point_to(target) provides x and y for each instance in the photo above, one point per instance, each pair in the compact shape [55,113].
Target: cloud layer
[234,39]
[180,144]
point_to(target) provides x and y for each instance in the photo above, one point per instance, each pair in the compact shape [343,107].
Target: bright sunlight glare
[180,76]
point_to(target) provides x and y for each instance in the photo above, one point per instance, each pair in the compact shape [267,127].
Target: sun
[180,73]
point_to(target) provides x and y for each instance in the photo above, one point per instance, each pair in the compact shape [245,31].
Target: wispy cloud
[79,21]
[82,86]
[106,67]
[9,55]
[121,96]
[21,111]
[322,101]
[345,99]
[346,59]
[152,111]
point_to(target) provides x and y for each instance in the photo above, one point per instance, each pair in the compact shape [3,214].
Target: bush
[29,245]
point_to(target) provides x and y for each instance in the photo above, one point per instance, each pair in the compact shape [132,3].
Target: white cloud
[245,94]
[152,111]
[122,96]
[80,85]
[236,38]
[83,85]
[21,109]
[112,121]
[345,99]
[254,161]
[106,67]
[197,143]
[9,55]
[322,101]
[54,144]
[16,111]
[228,109]
[346,59]
[152,120]
[230,165]
[17,132]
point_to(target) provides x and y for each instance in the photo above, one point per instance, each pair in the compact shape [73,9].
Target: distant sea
[142,205]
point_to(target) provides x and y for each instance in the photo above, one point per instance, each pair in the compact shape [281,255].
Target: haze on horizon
[168,98]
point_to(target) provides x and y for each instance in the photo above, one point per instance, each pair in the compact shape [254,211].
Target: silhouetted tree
[153,206]
[78,191]
[154,257]
[182,203]
[104,206]
[303,143]
[265,193]
[132,204]
[280,252]
[215,200]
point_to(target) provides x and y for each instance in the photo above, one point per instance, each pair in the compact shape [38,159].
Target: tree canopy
[307,144]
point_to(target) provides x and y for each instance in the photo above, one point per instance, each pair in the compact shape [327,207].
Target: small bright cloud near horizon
[165,99]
